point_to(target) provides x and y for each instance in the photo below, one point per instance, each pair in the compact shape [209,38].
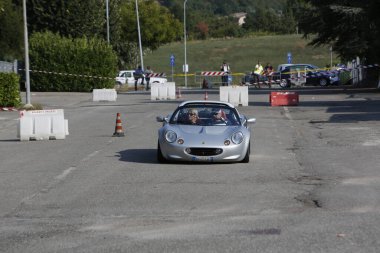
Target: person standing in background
[226,69]
[139,73]
[257,72]
[148,71]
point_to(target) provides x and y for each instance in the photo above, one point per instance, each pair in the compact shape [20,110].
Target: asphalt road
[312,184]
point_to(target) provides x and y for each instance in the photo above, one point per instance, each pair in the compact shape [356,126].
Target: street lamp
[26,45]
[184,38]
[108,22]
[138,30]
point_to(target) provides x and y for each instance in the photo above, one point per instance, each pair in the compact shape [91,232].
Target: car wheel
[284,83]
[160,157]
[118,85]
[323,82]
[246,157]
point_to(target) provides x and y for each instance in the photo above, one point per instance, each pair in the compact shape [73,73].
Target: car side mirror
[162,119]
[251,120]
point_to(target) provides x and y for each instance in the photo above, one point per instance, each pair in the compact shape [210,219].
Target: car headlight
[170,136]
[237,137]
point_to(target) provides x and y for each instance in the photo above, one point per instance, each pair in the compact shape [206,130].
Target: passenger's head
[217,114]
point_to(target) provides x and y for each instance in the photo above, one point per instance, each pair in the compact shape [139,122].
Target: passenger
[219,117]
[193,117]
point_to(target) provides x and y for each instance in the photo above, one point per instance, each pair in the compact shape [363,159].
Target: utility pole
[138,30]
[26,45]
[184,38]
[108,22]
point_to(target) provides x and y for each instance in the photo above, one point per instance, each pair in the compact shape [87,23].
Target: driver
[193,117]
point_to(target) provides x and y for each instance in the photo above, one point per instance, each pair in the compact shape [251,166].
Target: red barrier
[283,98]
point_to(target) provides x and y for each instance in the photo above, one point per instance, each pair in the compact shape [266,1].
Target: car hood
[207,130]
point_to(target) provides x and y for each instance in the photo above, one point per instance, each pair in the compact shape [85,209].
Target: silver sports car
[204,131]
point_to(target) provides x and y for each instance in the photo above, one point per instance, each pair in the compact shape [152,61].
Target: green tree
[11,30]
[157,25]
[68,18]
[351,27]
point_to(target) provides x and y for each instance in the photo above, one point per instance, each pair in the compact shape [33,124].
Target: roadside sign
[172,60]
[185,68]
[172,63]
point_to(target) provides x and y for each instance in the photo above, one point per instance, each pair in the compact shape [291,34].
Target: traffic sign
[289,57]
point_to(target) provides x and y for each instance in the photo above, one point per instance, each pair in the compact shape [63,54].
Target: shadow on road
[348,111]
[139,155]
[10,140]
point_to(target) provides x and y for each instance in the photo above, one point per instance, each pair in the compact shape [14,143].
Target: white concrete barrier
[162,91]
[236,95]
[42,125]
[104,95]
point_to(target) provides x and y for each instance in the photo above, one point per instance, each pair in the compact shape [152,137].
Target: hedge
[66,64]
[9,89]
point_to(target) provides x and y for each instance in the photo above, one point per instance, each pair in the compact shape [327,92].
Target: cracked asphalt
[312,184]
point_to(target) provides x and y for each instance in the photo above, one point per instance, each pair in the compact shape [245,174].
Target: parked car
[204,131]
[126,77]
[304,74]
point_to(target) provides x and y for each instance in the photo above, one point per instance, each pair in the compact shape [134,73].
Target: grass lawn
[241,53]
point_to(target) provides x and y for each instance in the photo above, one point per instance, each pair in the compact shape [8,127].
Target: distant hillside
[241,53]
[218,7]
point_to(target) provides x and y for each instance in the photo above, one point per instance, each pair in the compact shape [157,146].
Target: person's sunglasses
[192,114]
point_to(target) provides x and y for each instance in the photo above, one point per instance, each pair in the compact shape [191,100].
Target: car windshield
[205,115]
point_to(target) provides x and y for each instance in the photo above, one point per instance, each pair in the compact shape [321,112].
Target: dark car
[304,74]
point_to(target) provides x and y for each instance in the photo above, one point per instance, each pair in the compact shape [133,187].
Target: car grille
[204,151]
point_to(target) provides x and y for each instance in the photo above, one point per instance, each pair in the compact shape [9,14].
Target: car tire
[118,85]
[160,157]
[246,157]
[323,82]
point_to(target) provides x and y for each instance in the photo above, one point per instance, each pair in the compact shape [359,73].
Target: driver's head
[192,112]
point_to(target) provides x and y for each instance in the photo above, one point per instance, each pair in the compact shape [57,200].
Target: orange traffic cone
[206,95]
[179,93]
[118,128]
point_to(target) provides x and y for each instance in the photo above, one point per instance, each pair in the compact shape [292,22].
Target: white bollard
[154,91]
[42,125]
[236,95]
[171,90]
[162,91]
[104,95]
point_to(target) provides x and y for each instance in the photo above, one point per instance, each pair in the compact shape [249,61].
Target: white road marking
[65,173]
[58,179]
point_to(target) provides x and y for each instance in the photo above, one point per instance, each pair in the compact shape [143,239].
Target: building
[240,16]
